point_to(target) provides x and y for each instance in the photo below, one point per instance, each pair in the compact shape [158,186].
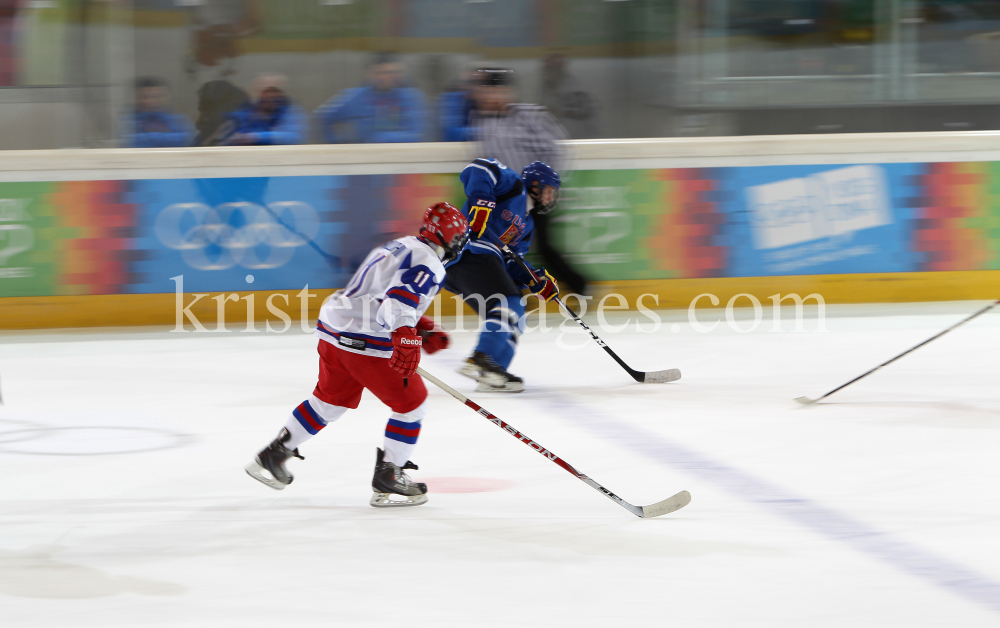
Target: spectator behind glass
[152,125]
[216,99]
[455,109]
[270,118]
[518,134]
[384,111]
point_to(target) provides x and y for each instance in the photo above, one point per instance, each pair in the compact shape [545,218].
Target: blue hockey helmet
[542,183]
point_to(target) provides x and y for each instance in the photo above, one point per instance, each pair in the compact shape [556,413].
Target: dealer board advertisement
[120,237]
[127,237]
[782,220]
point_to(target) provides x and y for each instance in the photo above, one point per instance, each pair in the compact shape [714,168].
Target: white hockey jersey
[392,288]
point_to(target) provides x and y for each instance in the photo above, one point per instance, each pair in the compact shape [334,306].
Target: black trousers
[554,262]
[483,275]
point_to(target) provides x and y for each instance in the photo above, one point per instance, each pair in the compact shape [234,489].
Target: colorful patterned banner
[782,220]
[119,237]
[65,238]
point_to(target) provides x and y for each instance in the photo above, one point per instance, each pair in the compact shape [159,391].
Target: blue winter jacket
[288,125]
[156,129]
[454,110]
[374,117]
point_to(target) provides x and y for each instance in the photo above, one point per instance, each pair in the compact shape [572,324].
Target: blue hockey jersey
[497,210]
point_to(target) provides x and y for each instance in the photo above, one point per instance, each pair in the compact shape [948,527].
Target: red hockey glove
[405,356]
[433,336]
[546,286]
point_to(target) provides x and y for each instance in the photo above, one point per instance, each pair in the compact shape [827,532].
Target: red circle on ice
[466,485]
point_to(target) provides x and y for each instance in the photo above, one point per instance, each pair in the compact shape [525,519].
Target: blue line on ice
[825,521]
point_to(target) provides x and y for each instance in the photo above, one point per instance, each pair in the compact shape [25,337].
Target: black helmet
[494,77]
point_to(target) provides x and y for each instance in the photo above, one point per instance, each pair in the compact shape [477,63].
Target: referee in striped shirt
[516,135]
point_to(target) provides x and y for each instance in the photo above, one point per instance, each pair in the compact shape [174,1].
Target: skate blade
[474,372]
[392,500]
[260,474]
[508,387]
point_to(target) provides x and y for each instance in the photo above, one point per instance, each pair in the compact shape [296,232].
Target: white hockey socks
[311,416]
[401,433]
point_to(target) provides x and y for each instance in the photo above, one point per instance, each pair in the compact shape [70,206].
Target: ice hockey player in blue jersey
[499,208]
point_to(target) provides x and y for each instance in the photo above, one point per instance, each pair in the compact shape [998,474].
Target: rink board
[762,218]
[163,309]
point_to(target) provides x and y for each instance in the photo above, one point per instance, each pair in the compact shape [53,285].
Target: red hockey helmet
[446,228]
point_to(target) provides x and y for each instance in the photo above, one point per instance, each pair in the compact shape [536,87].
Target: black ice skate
[490,375]
[269,465]
[390,483]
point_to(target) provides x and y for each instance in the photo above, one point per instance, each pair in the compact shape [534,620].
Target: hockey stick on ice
[643,377]
[668,505]
[807,400]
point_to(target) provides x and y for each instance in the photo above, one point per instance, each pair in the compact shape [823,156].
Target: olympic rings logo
[241,233]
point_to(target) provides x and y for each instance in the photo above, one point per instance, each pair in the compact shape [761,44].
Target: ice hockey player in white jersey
[370,336]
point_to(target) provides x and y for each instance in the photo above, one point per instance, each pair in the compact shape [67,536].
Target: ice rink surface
[124,501]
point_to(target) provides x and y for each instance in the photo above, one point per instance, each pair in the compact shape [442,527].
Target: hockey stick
[808,401]
[643,377]
[332,260]
[668,505]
